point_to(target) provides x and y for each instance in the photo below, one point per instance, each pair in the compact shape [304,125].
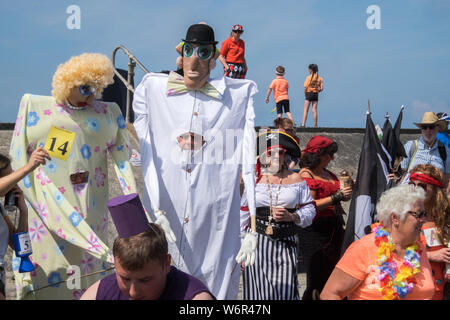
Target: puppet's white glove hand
[162,221]
[248,247]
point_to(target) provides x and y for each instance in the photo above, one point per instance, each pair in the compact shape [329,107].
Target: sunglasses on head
[272,152]
[419,184]
[428,126]
[86,90]
[418,215]
[203,52]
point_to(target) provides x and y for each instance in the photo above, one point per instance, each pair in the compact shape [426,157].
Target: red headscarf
[422,177]
[316,143]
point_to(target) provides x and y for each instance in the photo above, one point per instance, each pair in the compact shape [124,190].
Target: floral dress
[68,221]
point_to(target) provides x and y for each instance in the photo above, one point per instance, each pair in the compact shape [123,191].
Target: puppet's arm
[151,182]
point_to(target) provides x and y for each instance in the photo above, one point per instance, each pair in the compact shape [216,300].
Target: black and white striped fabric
[273,276]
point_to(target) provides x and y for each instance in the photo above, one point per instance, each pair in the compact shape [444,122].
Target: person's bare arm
[224,63]
[37,158]
[203,296]
[339,285]
[91,292]
[268,95]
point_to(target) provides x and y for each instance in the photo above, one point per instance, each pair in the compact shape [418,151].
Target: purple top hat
[128,215]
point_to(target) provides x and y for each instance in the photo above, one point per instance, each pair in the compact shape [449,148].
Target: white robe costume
[199,193]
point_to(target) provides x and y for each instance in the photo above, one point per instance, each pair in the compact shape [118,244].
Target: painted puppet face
[81,96]
[196,64]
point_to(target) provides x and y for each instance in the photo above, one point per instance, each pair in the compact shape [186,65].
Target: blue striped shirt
[425,155]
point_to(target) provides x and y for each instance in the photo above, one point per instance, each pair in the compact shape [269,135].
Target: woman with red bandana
[232,54]
[320,243]
[435,233]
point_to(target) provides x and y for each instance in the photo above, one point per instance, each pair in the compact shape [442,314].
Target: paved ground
[349,143]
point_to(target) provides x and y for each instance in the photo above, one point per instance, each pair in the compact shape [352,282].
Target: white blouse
[290,195]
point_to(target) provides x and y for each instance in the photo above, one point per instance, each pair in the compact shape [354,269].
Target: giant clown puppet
[67,197]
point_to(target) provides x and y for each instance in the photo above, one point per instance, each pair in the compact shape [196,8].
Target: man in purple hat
[196,136]
[142,261]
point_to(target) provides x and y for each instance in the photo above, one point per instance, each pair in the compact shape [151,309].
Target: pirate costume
[273,276]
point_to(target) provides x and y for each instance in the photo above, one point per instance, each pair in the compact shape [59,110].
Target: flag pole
[368,106]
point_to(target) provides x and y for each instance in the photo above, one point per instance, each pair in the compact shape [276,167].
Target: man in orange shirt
[280,87]
[232,54]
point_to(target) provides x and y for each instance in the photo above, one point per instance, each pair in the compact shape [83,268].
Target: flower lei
[395,285]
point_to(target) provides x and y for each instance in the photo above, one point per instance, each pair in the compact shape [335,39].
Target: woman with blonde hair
[435,233]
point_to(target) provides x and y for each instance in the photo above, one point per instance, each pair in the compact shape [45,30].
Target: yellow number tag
[58,143]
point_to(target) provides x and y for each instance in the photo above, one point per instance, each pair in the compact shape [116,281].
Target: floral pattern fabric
[67,222]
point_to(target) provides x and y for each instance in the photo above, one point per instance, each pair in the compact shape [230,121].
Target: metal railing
[132,61]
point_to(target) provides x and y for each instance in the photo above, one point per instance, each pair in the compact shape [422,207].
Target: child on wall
[280,87]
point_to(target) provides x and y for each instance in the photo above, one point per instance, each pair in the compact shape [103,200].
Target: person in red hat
[321,242]
[232,54]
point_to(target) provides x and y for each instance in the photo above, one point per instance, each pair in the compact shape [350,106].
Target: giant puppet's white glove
[162,221]
[247,252]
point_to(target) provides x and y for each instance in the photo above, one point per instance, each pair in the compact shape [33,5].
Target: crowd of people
[204,226]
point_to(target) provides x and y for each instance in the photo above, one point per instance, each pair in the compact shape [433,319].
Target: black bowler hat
[270,139]
[200,34]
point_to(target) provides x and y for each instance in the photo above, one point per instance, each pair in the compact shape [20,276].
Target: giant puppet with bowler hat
[196,134]
[427,149]
[142,262]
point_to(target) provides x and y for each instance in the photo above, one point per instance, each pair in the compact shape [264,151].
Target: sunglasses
[272,152]
[419,184]
[428,126]
[418,215]
[86,90]
[203,52]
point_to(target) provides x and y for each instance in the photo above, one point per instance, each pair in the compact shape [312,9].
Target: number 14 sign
[59,142]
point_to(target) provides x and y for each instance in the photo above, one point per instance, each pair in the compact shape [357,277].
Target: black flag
[371,181]
[391,139]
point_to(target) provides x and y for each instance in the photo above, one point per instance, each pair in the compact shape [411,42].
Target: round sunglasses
[203,52]
[86,90]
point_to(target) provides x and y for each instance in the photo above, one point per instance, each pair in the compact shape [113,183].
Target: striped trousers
[273,276]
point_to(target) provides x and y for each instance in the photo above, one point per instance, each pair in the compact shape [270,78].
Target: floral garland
[395,285]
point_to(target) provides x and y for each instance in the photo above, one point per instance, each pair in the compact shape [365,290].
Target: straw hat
[429,118]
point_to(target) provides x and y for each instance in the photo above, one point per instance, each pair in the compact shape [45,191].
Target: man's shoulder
[155,76]
[156,80]
[231,82]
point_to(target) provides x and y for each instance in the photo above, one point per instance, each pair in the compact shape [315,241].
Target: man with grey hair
[427,149]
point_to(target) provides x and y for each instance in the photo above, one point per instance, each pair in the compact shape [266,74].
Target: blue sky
[405,62]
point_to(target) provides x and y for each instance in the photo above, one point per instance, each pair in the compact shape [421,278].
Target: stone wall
[349,142]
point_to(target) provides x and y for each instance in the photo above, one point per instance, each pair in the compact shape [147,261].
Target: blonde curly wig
[92,69]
